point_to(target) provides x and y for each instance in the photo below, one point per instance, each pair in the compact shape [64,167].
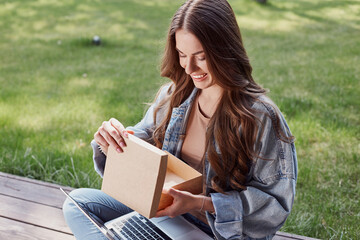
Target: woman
[218,120]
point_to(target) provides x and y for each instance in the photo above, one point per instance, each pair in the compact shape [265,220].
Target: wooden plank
[32,190]
[33,213]
[30,180]
[14,230]
[289,236]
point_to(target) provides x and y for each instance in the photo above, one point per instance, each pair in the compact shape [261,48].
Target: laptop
[135,226]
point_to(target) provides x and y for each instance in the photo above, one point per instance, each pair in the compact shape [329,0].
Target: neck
[211,94]
[209,99]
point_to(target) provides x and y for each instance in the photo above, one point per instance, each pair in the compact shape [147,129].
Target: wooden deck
[31,210]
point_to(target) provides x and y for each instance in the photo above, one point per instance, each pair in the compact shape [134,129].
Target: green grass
[56,89]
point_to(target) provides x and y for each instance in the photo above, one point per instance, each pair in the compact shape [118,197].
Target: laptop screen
[109,234]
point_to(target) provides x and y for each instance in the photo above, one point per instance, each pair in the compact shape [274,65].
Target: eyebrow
[201,51]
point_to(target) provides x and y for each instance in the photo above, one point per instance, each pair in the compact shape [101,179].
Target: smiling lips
[199,77]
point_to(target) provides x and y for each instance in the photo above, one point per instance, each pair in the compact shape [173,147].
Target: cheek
[204,67]
[182,62]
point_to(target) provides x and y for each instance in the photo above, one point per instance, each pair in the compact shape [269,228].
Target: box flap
[136,176]
[181,176]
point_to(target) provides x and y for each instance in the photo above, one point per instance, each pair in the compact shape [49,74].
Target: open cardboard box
[137,176]
[180,176]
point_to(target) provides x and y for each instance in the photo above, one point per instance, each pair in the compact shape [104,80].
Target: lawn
[56,89]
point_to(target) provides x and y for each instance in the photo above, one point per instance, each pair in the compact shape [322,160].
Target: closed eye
[181,54]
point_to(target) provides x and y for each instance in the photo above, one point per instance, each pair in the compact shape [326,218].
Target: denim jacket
[260,210]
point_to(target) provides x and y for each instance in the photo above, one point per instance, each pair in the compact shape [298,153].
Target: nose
[190,66]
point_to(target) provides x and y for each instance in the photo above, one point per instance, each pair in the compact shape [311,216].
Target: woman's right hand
[111,133]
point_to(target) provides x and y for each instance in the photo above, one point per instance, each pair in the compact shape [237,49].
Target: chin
[202,85]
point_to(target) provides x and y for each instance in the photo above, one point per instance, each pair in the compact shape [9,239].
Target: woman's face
[192,58]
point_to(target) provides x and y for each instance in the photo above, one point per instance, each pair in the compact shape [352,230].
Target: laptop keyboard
[138,227]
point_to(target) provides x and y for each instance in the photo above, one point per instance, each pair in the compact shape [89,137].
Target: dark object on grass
[96,40]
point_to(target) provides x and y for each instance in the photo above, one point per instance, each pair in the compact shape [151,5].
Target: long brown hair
[213,22]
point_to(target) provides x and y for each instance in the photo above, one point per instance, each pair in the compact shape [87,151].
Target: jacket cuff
[229,214]
[140,133]
[99,158]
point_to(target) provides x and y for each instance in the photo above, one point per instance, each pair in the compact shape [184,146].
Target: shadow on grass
[308,10]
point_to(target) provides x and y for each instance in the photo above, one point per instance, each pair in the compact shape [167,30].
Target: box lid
[136,176]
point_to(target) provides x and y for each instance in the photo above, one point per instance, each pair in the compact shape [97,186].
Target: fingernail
[118,150]
[125,134]
[130,131]
[122,145]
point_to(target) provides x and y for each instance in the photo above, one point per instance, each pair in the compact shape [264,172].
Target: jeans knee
[69,209]
[68,206]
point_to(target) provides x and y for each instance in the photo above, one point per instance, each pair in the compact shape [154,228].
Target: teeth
[199,76]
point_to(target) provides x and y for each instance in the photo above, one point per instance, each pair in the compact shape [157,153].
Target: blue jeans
[103,208]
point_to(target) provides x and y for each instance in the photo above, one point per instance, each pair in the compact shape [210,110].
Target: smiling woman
[217,119]
[306,52]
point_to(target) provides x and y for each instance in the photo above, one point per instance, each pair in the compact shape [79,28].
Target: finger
[161,213]
[100,140]
[104,149]
[119,127]
[166,212]
[165,190]
[115,133]
[110,140]
[173,192]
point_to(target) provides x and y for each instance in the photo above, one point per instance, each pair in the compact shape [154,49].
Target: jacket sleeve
[99,158]
[262,208]
[143,130]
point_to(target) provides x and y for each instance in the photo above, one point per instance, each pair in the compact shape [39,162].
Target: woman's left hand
[183,202]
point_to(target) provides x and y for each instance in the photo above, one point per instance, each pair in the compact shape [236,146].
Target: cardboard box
[137,176]
[180,176]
